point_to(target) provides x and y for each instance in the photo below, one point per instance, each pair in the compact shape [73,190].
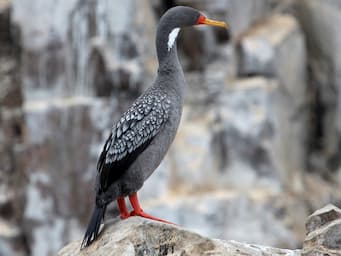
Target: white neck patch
[171,38]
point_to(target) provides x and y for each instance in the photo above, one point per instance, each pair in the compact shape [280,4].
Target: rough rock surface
[136,236]
[320,19]
[59,40]
[49,209]
[227,215]
[323,232]
[12,180]
[276,48]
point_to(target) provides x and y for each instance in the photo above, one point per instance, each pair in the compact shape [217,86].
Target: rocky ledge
[137,236]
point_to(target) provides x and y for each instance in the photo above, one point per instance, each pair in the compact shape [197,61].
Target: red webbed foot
[142,214]
[139,212]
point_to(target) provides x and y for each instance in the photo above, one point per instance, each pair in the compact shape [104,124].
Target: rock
[60,176]
[259,47]
[43,30]
[11,239]
[5,21]
[246,126]
[10,91]
[323,232]
[320,19]
[226,215]
[264,51]
[12,180]
[136,236]
[157,185]
[276,48]
[250,134]
[240,126]
[322,217]
[197,166]
[240,15]
[58,42]
[201,53]
[204,87]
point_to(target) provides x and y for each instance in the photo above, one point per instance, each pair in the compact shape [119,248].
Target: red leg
[123,208]
[139,212]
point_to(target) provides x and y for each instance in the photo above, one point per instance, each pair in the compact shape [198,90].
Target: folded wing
[132,135]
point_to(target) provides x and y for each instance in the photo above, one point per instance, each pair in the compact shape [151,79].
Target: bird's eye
[201,19]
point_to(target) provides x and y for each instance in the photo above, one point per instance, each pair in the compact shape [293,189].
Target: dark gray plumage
[141,138]
[131,135]
[139,124]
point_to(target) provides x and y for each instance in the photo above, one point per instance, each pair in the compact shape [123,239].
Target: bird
[141,138]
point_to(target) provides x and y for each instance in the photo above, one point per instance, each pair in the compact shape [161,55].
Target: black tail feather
[92,231]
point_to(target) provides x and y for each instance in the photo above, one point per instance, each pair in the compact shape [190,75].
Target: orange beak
[203,20]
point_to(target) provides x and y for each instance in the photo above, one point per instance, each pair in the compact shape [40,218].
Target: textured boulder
[136,236]
[323,232]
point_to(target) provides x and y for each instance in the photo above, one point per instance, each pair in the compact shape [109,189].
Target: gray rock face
[323,232]
[226,215]
[136,236]
[60,39]
[246,128]
[276,48]
[260,47]
[320,19]
[248,131]
[12,180]
[50,196]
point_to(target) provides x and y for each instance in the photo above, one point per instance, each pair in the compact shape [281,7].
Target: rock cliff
[136,236]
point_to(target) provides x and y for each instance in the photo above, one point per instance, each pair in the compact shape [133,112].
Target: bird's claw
[148,216]
[124,216]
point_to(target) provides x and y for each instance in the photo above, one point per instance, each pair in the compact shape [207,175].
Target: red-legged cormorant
[141,138]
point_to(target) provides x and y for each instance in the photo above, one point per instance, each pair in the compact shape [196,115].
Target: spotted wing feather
[132,135]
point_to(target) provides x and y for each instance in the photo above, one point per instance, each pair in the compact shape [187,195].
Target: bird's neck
[170,74]
[170,63]
[166,48]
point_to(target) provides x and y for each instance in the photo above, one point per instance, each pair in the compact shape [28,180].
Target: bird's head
[183,16]
[176,18]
